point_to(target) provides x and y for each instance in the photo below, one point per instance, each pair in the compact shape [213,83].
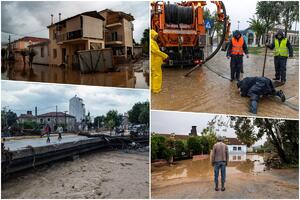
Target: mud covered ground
[245,179]
[110,174]
[127,76]
[208,89]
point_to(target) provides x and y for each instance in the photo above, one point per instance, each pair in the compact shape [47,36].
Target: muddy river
[209,89]
[111,174]
[130,76]
[247,177]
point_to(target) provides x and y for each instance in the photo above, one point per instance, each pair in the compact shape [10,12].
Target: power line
[23,34]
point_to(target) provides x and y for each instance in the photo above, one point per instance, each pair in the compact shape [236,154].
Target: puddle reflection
[128,76]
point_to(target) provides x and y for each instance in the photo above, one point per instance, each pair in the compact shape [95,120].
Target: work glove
[166,60]
[228,57]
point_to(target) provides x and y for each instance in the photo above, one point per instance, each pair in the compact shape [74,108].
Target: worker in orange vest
[236,49]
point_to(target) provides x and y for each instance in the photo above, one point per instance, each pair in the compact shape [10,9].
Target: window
[114,36]
[48,119]
[240,148]
[239,157]
[42,52]
[54,53]
[234,148]
[233,157]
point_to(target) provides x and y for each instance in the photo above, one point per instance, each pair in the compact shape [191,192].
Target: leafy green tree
[3,53]
[30,125]
[179,148]
[244,130]
[112,119]
[258,27]
[99,121]
[194,145]
[139,114]
[282,134]
[269,13]
[289,14]
[8,118]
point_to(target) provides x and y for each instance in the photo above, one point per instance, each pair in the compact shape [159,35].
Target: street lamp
[65,120]
[238,25]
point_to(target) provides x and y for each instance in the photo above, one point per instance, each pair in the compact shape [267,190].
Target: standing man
[157,59]
[59,131]
[219,159]
[236,49]
[283,49]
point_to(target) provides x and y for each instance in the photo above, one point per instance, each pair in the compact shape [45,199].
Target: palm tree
[258,27]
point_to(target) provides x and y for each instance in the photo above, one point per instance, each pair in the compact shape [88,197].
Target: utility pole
[56,116]
[66,120]
[238,25]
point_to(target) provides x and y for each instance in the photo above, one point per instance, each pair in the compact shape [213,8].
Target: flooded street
[111,174]
[246,178]
[208,89]
[127,77]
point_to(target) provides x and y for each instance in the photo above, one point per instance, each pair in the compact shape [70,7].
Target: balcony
[112,22]
[69,36]
[113,39]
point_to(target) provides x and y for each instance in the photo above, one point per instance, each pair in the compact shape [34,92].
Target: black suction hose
[218,47]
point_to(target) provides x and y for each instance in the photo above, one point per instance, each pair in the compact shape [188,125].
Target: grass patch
[255,50]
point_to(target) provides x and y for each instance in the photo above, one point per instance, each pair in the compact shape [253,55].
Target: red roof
[33,39]
[54,114]
[233,141]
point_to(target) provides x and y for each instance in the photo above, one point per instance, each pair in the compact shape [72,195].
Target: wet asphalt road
[208,89]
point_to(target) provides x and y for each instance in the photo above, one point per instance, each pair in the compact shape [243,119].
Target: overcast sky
[23,96]
[181,123]
[23,17]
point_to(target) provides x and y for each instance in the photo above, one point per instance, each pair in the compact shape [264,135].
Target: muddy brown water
[246,178]
[209,90]
[96,175]
[127,77]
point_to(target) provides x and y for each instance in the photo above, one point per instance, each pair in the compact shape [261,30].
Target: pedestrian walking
[236,49]
[283,50]
[219,160]
[47,132]
[59,131]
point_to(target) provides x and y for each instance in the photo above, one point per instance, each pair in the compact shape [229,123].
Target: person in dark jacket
[236,49]
[283,49]
[255,87]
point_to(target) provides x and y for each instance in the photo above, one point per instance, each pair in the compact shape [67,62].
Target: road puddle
[130,76]
[208,89]
[189,169]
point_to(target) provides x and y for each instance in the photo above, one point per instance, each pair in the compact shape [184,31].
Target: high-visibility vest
[281,49]
[237,46]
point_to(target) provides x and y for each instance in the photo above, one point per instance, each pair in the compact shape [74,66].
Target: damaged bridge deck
[26,153]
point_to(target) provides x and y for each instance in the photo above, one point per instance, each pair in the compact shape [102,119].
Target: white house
[235,145]
[42,52]
[77,108]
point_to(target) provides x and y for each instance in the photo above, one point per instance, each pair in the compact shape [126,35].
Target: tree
[3,53]
[179,148]
[289,14]
[194,145]
[139,114]
[282,134]
[258,27]
[112,119]
[244,130]
[145,41]
[268,12]
[8,118]
[99,121]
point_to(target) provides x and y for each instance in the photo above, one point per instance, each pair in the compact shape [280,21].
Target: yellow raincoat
[157,58]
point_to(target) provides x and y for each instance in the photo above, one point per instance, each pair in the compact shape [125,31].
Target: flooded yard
[246,177]
[208,89]
[129,76]
[111,174]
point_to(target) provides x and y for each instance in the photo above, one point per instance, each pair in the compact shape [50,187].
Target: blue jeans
[217,166]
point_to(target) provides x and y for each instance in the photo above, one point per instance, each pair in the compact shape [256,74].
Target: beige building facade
[81,32]
[118,33]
